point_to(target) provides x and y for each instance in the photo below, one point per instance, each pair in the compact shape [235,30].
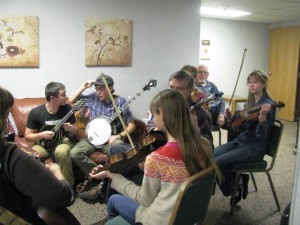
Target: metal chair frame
[272,150]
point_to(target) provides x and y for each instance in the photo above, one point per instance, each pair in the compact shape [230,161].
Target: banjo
[99,129]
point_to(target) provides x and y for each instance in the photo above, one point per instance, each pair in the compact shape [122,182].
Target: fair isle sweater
[164,172]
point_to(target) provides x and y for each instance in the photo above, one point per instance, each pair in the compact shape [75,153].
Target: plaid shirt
[100,108]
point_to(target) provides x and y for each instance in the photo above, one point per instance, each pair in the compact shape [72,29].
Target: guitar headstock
[151,83]
[78,105]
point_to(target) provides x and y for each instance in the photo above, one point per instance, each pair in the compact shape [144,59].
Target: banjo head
[98,131]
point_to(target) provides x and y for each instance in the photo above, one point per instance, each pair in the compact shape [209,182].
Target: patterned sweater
[164,173]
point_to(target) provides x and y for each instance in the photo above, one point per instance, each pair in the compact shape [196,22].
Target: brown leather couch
[22,107]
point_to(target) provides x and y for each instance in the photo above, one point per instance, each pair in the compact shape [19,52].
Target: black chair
[192,201]
[262,166]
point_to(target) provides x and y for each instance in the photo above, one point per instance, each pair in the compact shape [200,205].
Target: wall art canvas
[19,41]
[107,42]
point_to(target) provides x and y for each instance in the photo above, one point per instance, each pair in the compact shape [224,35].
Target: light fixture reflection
[222,12]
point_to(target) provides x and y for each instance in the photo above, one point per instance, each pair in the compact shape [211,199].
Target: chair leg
[253,180]
[236,182]
[273,190]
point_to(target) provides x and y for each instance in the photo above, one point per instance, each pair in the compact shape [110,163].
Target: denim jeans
[230,154]
[121,205]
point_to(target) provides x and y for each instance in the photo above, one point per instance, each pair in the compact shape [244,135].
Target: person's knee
[62,152]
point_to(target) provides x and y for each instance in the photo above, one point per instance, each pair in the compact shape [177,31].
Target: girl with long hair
[251,143]
[165,169]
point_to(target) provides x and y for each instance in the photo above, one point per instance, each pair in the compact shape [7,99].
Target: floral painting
[19,41]
[107,42]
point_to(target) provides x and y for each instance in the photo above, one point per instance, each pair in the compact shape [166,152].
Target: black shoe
[94,195]
[245,178]
[238,196]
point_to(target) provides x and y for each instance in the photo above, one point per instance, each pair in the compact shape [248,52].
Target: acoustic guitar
[50,145]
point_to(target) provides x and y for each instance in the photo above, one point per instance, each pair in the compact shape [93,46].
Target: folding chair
[192,200]
[261,166]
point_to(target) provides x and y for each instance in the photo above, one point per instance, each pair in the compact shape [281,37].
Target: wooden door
[283,68]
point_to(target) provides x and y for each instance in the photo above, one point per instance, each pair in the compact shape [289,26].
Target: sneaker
[92,196]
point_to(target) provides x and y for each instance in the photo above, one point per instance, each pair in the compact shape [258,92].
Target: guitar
[50,145]
[99,129]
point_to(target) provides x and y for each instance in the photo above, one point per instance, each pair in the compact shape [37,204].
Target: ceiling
[263,11]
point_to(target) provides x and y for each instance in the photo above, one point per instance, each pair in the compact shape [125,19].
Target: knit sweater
[164,172]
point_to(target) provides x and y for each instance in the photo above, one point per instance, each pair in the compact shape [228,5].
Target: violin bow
[237,80]
[117,110]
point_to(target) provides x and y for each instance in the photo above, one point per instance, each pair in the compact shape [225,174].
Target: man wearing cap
[100,104]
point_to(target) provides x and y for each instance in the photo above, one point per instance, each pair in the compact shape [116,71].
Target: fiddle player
[184,83]
[251,144]
[218,108]
[99,104]
[165,169]
[25,182]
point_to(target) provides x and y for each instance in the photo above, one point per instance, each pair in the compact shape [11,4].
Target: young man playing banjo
[101,109]
[49,142]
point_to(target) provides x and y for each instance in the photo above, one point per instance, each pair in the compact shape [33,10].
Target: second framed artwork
[107,42]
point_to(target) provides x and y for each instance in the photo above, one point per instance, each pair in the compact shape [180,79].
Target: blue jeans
[230,154]
[123,206]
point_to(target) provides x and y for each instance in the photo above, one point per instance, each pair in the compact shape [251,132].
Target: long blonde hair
[195,149]
[263,78]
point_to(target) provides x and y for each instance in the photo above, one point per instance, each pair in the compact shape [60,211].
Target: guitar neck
[63,120]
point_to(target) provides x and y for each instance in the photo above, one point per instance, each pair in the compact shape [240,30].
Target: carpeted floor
[258,209]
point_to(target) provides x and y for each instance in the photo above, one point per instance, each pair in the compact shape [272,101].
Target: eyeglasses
[202,72]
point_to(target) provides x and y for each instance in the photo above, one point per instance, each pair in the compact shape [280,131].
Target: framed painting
[19,41]
[107,42]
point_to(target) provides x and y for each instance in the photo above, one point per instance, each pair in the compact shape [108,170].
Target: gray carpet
[258,209]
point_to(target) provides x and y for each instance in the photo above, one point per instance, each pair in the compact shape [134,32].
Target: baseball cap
[109,80]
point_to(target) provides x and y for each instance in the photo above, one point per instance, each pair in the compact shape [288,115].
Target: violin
[123,161]
[240,117]
[204,100]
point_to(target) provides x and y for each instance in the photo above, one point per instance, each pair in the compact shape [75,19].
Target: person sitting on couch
[39,126]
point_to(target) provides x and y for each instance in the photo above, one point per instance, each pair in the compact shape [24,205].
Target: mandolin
[50,145]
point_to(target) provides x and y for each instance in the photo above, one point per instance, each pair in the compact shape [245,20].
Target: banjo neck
[125,106]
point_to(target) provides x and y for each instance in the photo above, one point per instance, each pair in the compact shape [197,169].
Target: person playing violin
[251,144]
[184,83]
[218,107]
[165,169]
[25,182]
